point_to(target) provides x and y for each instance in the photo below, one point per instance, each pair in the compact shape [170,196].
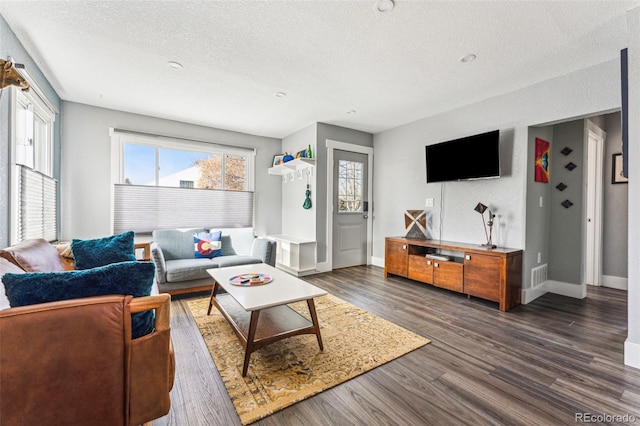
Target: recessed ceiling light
[174,65]
[281,94]
[351,111]
[384,5]
[467,58]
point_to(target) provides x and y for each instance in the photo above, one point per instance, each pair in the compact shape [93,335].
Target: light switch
[429,202]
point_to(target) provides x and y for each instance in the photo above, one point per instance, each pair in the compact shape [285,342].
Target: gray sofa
[177,269]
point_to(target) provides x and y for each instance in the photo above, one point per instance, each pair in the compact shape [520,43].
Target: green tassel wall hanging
[307,201]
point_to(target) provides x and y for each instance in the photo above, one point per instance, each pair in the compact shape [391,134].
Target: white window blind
[143,209]
[37,194]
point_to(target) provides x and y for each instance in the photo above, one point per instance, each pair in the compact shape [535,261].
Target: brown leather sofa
[73,362]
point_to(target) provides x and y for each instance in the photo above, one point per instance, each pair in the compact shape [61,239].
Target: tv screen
[472,157]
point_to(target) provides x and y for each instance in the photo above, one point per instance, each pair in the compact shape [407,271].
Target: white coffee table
[259,315]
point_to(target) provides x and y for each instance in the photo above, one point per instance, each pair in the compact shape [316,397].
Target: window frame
[42,107]
[348,179]
[120,138]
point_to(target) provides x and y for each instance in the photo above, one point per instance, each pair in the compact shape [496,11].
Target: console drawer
[421,269]
[448,274]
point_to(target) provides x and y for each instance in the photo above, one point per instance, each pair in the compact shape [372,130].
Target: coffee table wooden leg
[314,319]
[214,290]
[253,324]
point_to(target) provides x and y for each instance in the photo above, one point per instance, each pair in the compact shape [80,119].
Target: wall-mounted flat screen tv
[471,157]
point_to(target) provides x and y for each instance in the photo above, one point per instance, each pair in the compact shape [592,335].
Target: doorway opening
[577,223]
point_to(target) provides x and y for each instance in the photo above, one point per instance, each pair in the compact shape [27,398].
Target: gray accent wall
[566,225]
[10,46]
[86,166]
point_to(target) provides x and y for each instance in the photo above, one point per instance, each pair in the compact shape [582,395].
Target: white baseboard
[577,291]
[632,353]
[531,294]
[296,272]
[610,281]
[323,267]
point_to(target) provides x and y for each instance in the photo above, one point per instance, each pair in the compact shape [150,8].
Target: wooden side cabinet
[396,257]
[494,278]
[295,255]
[494,274]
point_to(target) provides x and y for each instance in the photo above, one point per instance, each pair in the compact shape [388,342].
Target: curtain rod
[136,132]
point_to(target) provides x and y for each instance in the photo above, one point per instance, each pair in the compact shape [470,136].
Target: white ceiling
[329,57]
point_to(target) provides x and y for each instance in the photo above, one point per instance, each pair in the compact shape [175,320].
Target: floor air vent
[538,275]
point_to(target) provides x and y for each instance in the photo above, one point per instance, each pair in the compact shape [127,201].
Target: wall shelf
[292,166]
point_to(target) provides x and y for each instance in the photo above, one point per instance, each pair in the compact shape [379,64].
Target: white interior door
[593,249]
[350,212]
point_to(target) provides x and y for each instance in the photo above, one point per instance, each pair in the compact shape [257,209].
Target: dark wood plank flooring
[538,364]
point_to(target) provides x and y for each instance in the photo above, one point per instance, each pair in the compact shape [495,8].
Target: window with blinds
[34,190]
[162,182]
[37,200]
[146,208]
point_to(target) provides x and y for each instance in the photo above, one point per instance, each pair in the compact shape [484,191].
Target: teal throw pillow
[89,254]
[207,244]
[129,278]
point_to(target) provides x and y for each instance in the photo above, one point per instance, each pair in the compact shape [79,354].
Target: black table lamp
[481,208]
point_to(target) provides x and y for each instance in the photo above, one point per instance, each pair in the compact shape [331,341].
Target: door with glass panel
[350,209]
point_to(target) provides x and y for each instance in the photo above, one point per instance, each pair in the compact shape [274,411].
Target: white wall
[86,150]
[297,221]
[632,344]
[399,178]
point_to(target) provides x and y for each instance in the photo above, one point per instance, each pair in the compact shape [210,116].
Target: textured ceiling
[329,57]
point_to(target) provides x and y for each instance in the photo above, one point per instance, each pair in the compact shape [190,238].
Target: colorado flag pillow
[207,245]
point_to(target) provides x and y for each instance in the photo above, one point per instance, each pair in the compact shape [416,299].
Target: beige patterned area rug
[285,372]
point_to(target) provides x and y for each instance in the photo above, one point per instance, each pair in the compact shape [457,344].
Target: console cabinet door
[396,258]
[483,275]
[448,275]
[421,269]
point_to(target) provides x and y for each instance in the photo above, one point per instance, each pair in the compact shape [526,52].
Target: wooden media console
[491,274]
